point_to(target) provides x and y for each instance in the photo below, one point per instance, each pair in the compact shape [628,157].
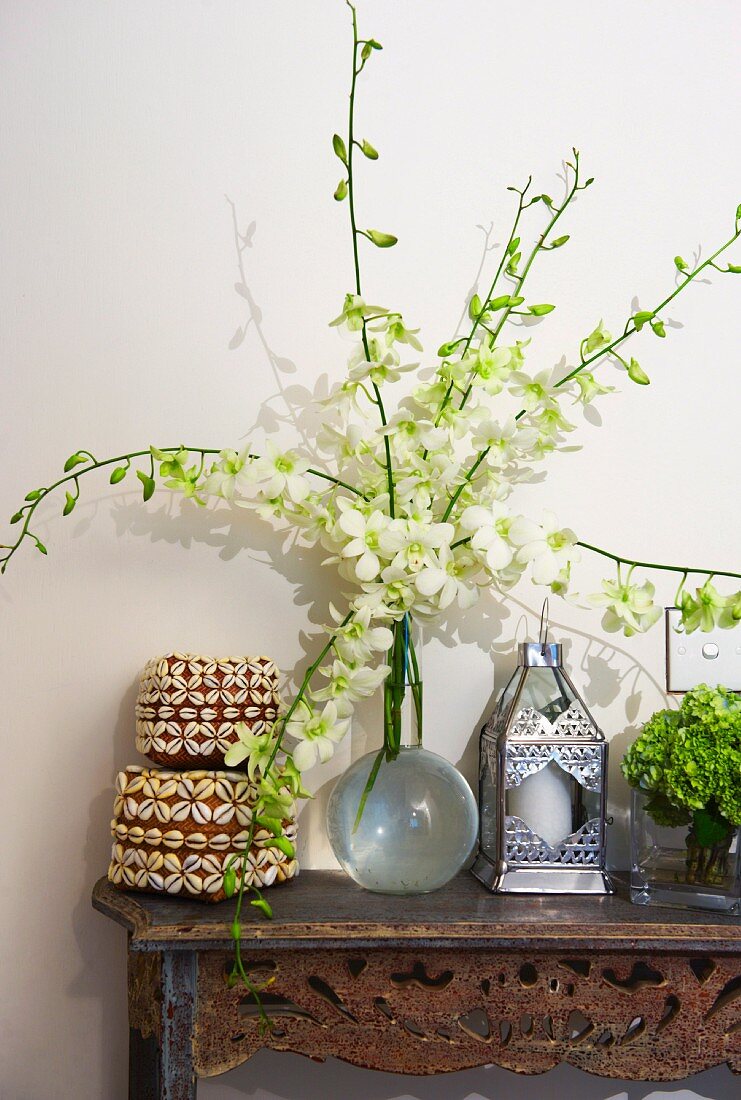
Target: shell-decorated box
[188,706]
[173,833]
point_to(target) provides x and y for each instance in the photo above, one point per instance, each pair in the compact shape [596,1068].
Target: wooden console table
[430,984]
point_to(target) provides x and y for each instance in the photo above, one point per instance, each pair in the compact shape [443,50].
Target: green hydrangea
[690,761]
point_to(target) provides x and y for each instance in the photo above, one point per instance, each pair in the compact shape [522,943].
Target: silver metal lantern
[543,775]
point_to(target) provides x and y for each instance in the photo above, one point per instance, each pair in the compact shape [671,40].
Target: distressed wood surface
[430,984]
[325,908]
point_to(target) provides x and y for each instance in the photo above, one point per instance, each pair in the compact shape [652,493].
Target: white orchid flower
[347,684]
[358,639]
[505,442]
[490,527]
[345,443]
[410,541]
[317,735]
[445,575]
[354,312]
[491,367]
[255,748]
[548,548]
[366,532]
[537,392]
[384,369]
[396,331]
[629,607]
[277,473]
[460,421]
[408,431]
[392,596]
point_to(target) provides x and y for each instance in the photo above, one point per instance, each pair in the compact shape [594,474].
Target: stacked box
[174,831]
[188,706]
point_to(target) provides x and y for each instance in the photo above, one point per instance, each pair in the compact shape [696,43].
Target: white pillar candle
[543,801]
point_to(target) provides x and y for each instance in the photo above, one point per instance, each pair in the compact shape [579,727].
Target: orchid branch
[350,190]
[637,321]
[634,324]
[620,559]
[122,465]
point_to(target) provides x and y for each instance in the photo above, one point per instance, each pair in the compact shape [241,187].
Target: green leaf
[340,148]
[710,829]
[263,906]
[341,191]
[147,484]
[540,311]
[35,494]
[16,517]
[283,844]
[680,264]
[512,246]
[74,460]
[640,318]
[735,269]
[474,307]
[637,374]
[381,240]
[69,504]
[368,149]
[658,328]
[118,474]
[230,882]
[561,241]
[236,930]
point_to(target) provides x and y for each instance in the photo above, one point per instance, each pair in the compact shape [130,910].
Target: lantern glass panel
[546,691]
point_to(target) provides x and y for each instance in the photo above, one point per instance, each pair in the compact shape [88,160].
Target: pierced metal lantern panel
[542,785]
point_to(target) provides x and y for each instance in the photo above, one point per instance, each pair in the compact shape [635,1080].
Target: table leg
[161,1014]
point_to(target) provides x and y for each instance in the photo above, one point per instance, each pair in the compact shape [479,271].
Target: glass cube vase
[668,868]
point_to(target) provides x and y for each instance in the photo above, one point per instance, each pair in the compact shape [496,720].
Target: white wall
[125,125]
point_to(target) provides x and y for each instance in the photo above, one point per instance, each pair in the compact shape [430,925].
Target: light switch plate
[700,658]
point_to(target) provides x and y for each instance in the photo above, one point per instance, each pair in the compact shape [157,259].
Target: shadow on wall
[271,1076]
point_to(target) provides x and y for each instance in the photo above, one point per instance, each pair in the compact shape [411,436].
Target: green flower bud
[381,240]
[147,484]
[74,460]
[340,148]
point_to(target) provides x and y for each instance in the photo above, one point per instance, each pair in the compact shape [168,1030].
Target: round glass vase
[402,820]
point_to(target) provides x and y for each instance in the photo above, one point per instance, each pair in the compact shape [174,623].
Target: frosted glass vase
[418,826]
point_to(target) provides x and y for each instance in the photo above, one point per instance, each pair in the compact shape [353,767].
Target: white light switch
[701,658]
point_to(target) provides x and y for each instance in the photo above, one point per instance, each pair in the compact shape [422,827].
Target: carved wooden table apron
[430,984]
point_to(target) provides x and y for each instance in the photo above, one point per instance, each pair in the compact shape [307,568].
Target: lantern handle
[543,632]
